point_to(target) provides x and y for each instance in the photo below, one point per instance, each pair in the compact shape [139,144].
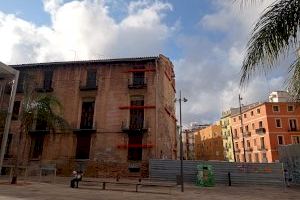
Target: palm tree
[35,108]
[275,35]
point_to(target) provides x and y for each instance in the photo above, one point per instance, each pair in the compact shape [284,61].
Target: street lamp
[242,127]
[180,140]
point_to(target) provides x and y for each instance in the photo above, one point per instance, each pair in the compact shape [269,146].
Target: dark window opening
[16,109]
[8,144]
[37,143]
[135,150]
[20,86]
[48,79]
[278,123]
[83,146]
[91,79]
[137,115]
[280,140]
[293,125]
[87,115]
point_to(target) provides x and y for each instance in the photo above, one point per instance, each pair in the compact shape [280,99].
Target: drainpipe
[156,105]
[8,117]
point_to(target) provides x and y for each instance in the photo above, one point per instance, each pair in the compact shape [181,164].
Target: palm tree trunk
[16,167]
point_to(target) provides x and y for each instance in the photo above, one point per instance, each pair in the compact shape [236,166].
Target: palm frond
[274,35]
[293,83]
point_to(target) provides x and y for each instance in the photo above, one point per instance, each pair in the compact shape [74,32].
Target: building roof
[99,61]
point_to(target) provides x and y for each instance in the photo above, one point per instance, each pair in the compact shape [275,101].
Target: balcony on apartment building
[39,127]
[237,150]
[262,148]
[260,130]
[138,126]
[248,149]
[293,130]
[235,137]
[247,134]
[139,82]
[89,85]
[47,87]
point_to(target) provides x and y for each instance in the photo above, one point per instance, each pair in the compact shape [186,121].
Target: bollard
[229,179]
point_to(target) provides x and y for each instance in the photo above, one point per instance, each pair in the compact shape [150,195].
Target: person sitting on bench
[77,176]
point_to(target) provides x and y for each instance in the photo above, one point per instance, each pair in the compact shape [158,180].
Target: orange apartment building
[266,126]
[121,113]
[209,143]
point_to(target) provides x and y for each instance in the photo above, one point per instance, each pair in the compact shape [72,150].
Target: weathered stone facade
[121,112]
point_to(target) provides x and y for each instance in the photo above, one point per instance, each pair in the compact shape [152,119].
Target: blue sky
[205,39]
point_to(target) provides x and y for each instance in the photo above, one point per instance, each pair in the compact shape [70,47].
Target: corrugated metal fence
[290,156]
[241,173]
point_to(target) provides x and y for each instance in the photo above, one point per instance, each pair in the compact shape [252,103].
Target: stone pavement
[32,190]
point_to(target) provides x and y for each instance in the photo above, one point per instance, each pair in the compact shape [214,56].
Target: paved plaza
[61,190]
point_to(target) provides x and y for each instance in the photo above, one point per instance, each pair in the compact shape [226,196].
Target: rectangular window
[247,128]
[264,157]
[16,109]
[296,139]
[20,86]
[137,115]
[252,113]
[91,78]
[83,146]
[293,124]
[262,143]
[8,145]
[258,111]
[278,123]
[290,108]
[253,126]
[256,157]
[260,124]
[87,115]
[36,148]
[248,143]
[275,108]
[250,157]
[135,150]
[280,139]
[245,115]
[236,145]
[48,74]
[234,120]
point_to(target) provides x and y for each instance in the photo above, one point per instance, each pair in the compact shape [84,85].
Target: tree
[35,107]
[275,34]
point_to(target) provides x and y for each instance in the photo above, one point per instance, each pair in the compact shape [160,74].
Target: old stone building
[121,113]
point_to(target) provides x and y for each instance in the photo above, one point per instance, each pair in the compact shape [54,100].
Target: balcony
[237,150]
[85,128]
[248,149]
[138,127]
[260,130]
[47,87]
[137,83]
[235,137]
[89,85]
[262,148]
[293,130]
[247,134]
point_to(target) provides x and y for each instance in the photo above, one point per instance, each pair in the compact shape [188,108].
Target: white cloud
[209,71]
[85,30]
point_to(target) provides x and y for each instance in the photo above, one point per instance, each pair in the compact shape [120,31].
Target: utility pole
[181,144]
[242,127]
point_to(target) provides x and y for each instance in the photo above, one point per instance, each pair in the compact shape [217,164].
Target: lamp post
[242,127]
[180,138]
